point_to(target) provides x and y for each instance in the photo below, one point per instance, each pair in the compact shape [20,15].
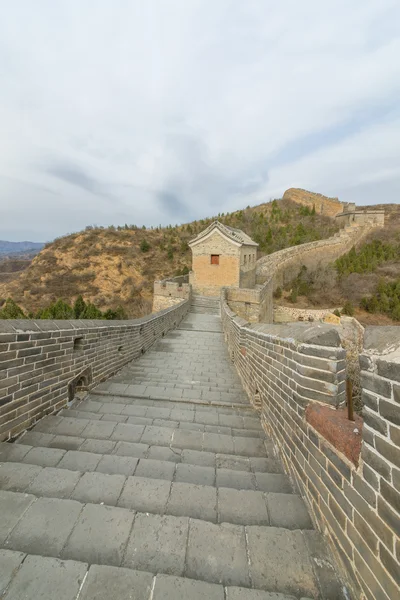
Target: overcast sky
[164,111]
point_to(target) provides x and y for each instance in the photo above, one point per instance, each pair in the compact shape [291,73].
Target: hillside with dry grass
[116,266]
[375,264]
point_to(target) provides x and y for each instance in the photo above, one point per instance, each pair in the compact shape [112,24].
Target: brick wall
[280,268]
[356,506]
[40,359]
[170,292]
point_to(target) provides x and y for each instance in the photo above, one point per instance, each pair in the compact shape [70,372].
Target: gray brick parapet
[284,370]
[42,361]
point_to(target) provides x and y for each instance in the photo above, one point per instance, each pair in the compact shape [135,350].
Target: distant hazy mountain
[18,247]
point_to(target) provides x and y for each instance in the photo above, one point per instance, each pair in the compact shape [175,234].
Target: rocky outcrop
[323,205]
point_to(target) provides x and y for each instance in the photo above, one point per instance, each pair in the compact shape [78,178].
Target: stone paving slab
[116,583]
[196,501]
[279,561]
[145,495]
[9,563]
[158,544]
[242,507]
[12,508]
[100,535]
[217,554]
[47,578]
[237,593]
[168,587]
[16,479]
[53,483]
[45,527]
[289,511]
[99,488]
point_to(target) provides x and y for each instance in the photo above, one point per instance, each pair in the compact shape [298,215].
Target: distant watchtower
[222,256]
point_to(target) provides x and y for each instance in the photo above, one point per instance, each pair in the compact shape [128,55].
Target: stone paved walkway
[160,485]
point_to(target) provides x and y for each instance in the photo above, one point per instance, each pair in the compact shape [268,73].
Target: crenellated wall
[280,268]
[170,292]
[41,362]
[295,375]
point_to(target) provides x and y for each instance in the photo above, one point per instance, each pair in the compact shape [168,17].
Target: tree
[11,310]
[145,246]
[91,312]
[79,307]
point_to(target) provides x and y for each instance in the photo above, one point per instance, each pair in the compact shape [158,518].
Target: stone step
[160,422]
[182,396]
[245,410]
[273,559]
[247,424]
[134,449]
[30,576]
[153,436]
[159,495]
[268,464]
[216,471]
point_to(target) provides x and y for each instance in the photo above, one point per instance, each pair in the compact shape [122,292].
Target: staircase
[161,484]
[205,305]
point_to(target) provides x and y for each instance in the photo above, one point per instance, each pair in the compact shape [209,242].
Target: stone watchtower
[222,257]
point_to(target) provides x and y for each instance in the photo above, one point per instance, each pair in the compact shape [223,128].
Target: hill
[117,265]
[367,278]
[19,247]
[323,204]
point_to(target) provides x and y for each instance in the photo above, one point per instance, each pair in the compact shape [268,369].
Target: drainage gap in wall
[120,348]
[257,400]
[79,384]
[78,345]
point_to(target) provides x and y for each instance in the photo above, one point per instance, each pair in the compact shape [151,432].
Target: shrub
[145,246]
[336,312]
[278,292]
[293,295]
[348,309]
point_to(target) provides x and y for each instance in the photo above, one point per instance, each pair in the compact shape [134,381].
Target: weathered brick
[388,369]
[390,411]
[341,466]
[388,450]
[380,386]
[364,489]
[374,421]
[368,514]
[388,515]
[376,462]
[391,564]
[391,496]
[365,532]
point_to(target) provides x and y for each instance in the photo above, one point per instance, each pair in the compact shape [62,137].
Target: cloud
[160,112]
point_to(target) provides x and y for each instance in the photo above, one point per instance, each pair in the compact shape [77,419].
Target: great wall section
[198,452]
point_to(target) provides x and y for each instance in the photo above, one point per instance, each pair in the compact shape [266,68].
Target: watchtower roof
[235,235]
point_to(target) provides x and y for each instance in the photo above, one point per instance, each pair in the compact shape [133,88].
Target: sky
[165,111]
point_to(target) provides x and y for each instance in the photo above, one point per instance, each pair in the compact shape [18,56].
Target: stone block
[54,483]
[16,477]
[195,501]
[45,527]
[99,488]
[39,577]
[242,507]
[158,544]
[100,535]
[12,507]
[279,561]
[195,474]
[217,554]
[168,587]
[117,465]
[104,582]
[155,469]
[9,563]
[145,495]
[288,511]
